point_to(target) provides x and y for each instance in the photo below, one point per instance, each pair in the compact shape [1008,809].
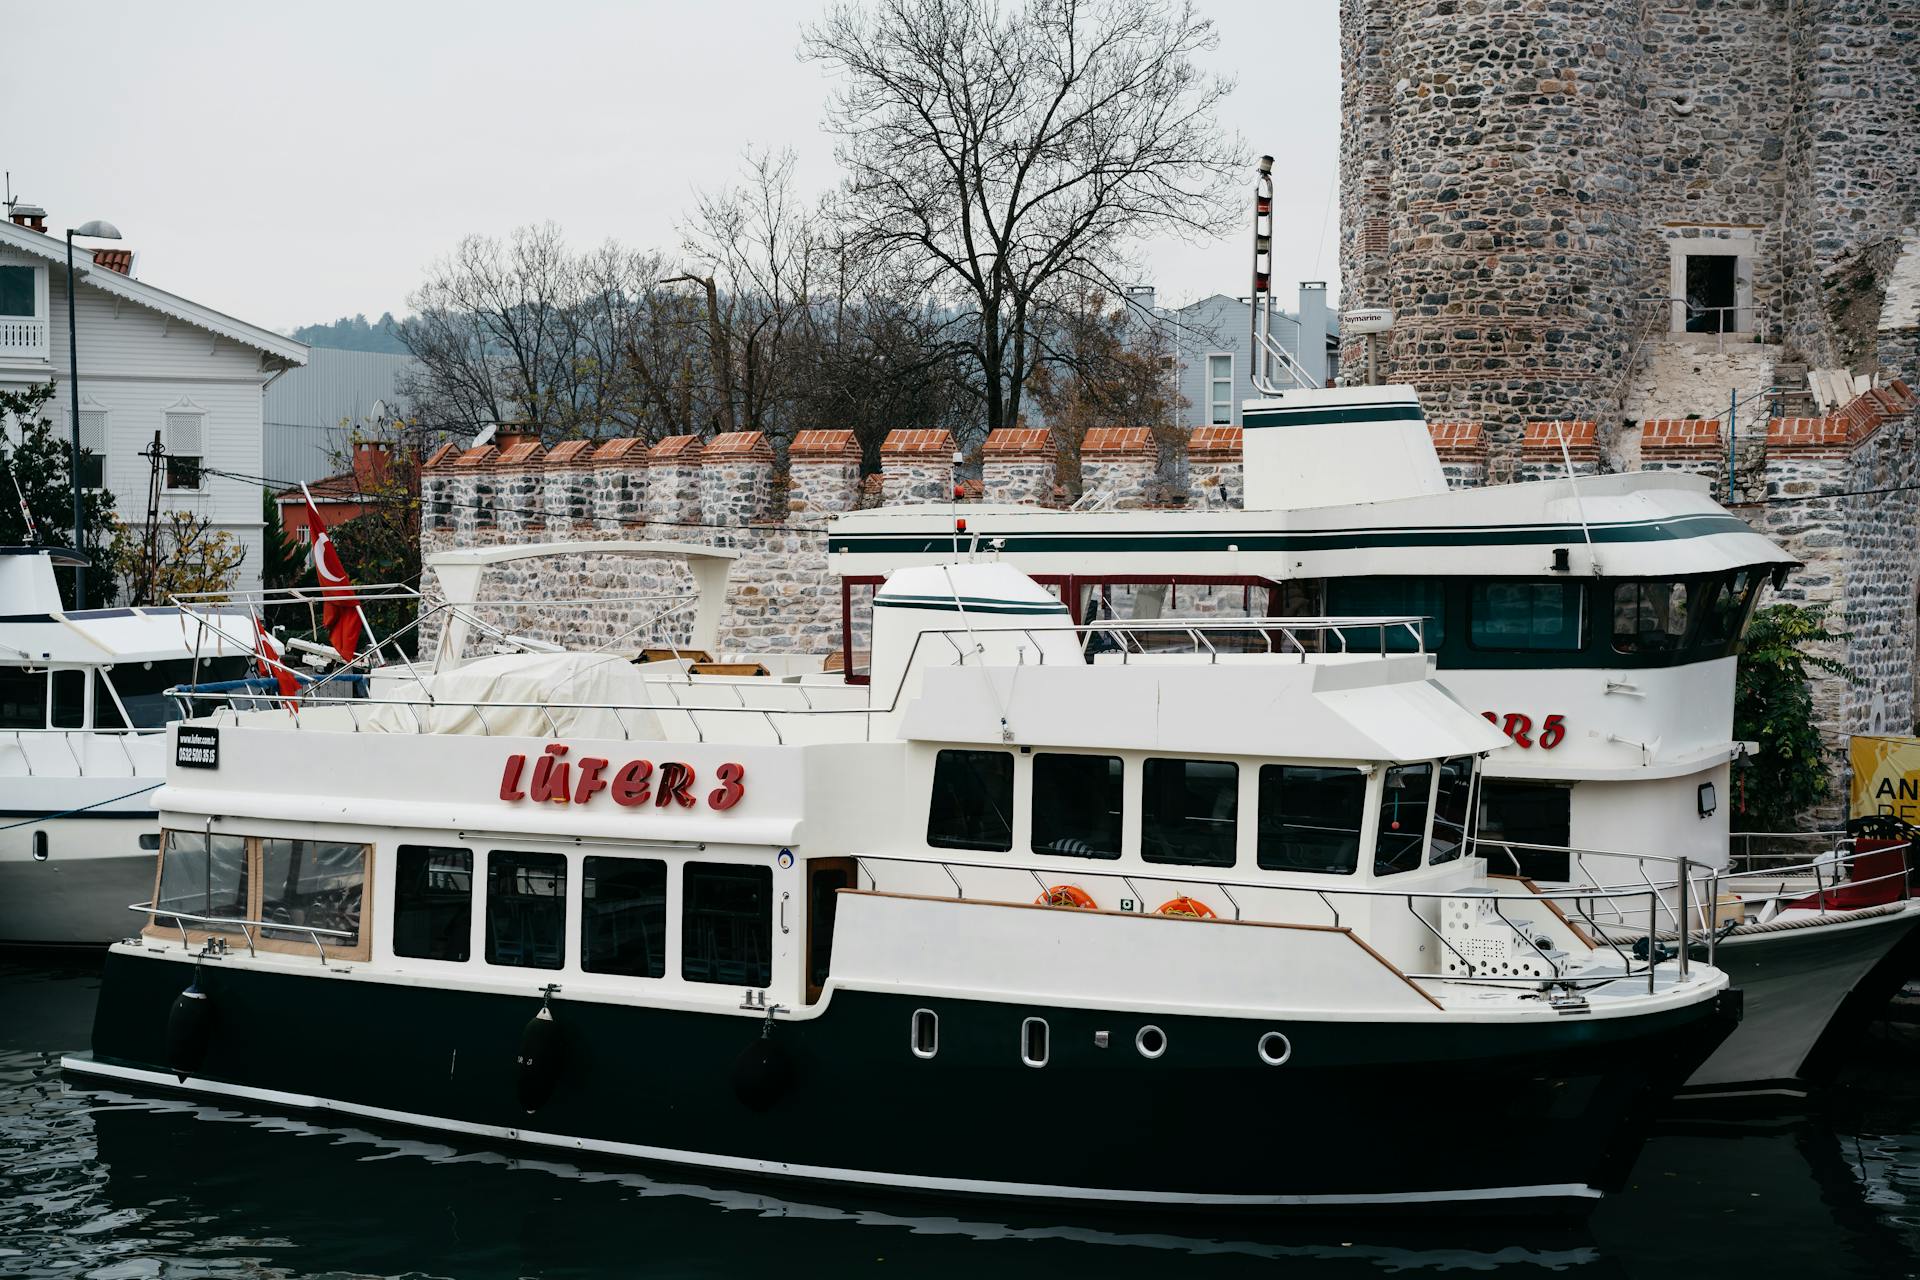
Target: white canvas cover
[574,690]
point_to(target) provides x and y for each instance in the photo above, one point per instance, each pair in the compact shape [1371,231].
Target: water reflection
[108,1184]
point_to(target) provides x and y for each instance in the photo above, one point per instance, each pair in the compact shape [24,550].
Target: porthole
[1033,1042]
[1151,1041]
[1274,1048]
[926,1033]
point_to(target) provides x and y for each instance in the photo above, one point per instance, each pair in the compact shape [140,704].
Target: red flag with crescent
[340,607]
[271,660]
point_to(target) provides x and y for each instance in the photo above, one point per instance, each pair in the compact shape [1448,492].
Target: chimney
[371,458]
[30,216]
[508,434]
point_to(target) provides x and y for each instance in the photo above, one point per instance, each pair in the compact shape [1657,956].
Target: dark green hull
[1361,1113]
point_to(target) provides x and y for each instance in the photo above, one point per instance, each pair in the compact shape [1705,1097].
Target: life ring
[1065,895]
[1184,906]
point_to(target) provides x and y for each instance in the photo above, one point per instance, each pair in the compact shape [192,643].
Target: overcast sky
[290,165]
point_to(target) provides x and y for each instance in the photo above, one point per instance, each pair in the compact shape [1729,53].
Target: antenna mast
[1261,320]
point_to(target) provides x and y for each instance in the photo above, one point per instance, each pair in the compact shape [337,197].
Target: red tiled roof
[1214,442]
[1821,435]
[444,454]
[521,453]
[482,456]
[1680,436]
[1582,438]
[570,453]
[340,488]
[970,490]
[821,444]
[675,449]
[120,260]
[738,446]
[917,440]
[1023,442]
[1458,441]
[630,450]
[1118,440]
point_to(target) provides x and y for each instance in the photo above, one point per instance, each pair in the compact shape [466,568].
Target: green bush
[1773,705]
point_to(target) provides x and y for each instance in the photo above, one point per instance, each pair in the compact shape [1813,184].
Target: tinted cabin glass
[314,883]
[526,909]
[105,714]
[1451,799]
[1189,812]
[1403,818]
[1528,813]
[204,876]
[1526,616]
[142,685]
[726,926]
[1076,805]
[69,700]
[1310,818]
[23,698]
[1649,617]
[1390,597]
[623,916]
[1727,604]
[972,802]
[433,903]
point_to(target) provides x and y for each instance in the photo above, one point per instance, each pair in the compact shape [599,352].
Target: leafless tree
[1010,156]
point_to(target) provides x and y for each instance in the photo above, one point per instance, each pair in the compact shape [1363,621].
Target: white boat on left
[83,717]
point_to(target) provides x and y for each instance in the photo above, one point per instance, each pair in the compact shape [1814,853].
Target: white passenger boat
[1595,620]
[1007,920]
[83,708]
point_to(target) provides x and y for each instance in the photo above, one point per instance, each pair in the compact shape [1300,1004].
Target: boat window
[1389,597]
[1404,802]
[1452,798]
[972,804]
[1526,616]
[23,698]
[1649,617]
[726,925]
[1189,812]
[317,884]
[1310,818]
[1526,813]
[106,715]
[69,699]
[143,685]
[433,903]
[526,909]
[1076,805]
[623,916]
[203,875]
[1727,606]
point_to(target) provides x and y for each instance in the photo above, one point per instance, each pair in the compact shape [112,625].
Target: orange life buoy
[1184,906]
[1065,895]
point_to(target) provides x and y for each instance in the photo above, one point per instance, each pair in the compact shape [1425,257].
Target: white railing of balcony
[23,336]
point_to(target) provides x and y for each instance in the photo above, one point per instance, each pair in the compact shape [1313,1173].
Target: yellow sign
[1886,778]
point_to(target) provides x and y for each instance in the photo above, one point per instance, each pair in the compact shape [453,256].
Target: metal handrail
[246,926]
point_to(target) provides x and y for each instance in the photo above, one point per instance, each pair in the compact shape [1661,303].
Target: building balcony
[23,340]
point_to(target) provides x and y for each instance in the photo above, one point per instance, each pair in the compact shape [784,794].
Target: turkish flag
[271,661]
[341,608]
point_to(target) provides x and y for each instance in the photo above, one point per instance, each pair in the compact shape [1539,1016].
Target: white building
[151,362]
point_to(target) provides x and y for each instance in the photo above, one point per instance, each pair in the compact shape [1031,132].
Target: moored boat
[1004,921]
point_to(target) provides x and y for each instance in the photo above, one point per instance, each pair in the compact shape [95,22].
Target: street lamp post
[98,230]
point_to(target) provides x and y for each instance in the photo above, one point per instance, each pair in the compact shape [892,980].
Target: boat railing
[245,926]
[1634,964]
[20,737]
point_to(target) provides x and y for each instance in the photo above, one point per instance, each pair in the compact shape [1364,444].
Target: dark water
[112,1186]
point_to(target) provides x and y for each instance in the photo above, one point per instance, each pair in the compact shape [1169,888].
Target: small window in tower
[1710,293]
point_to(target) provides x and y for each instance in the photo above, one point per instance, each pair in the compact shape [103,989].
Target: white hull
[77,896]
[1794,984]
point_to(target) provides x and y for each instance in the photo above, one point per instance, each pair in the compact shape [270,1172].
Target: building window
[16,291]
[623,916]
[93,448]
[1076,805]
[186,447]
[526,909]
[202,875]
[1526,813]
[1220,389]
[726,925]
[1527,617]
[1649,617]
[433,903]
[316,884]
[1712,294]
[303,533]
[1189,812]
[1310,818]
[1404,802]
[972,801]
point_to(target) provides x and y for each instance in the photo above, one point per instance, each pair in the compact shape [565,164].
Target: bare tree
[1012,156]
[1104,369]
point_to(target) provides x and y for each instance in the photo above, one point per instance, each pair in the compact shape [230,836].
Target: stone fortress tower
[1618,210]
